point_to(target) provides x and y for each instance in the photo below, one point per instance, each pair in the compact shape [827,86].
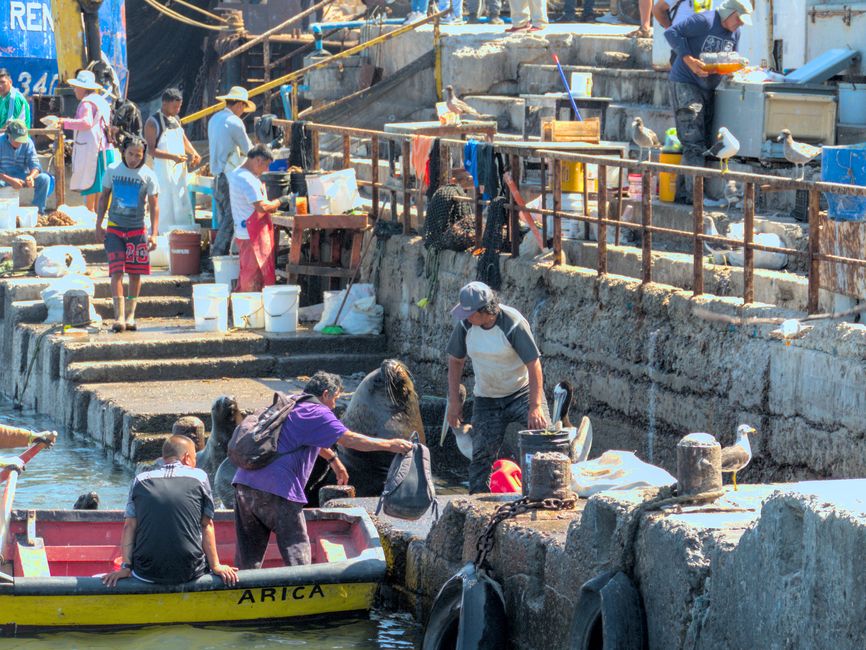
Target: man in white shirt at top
[251,213]
[227,143]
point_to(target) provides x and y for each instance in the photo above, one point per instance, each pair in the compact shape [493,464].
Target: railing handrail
[298,74]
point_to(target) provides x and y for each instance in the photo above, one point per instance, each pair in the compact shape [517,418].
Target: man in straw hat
[19,164]
[228,143]
[693,88]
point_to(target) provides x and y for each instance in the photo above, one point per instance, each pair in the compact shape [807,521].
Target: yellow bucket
[668,180]
[571,177]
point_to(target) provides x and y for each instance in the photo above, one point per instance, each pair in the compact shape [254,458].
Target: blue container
[846,164]
[279,165]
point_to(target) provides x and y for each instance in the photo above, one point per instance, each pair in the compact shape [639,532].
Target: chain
[508,511]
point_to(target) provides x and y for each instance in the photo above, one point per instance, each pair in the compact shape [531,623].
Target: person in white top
[251,213]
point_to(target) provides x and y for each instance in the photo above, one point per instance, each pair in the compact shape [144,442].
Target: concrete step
[639,86]
[508,111]
[621,114]
[93,253]
[70,235]
[246,365]
[160,284]
[149,307]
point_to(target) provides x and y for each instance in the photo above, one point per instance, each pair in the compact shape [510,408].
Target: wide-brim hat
[238,94]
[84,79]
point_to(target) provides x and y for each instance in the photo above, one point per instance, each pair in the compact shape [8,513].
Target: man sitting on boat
[168,533]
[272,498]
[19,164]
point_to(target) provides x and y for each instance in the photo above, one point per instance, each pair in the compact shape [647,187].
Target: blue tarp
[27,47]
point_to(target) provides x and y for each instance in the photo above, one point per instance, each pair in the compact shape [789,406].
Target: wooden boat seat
[31,559]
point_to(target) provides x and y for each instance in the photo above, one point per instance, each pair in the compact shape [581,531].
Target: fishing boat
[52,561]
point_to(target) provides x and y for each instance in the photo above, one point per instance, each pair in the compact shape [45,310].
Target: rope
[203,12]
[180,18]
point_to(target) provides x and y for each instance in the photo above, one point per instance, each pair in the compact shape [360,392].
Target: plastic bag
[763,259]
[616,470]
[365,317]
[52,296]
[333,300]
[57,261]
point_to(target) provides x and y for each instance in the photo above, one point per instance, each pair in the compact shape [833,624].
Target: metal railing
[610,202]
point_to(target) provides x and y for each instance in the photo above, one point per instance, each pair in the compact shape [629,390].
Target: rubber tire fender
[609,615]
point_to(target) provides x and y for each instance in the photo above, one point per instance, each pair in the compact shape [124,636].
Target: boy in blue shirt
[692,87]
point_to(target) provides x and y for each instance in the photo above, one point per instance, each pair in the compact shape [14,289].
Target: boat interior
[86,543]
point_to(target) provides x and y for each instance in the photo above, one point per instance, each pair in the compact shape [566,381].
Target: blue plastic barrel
[845,164]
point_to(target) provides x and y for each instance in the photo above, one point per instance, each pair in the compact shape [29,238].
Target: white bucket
[211,307]
[581,84]
[280,302]
[8,210]
[226,268]
[247,310]
[159,256]
[28,216]
[852,104]
[571,228]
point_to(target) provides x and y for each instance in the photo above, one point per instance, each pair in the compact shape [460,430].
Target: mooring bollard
[191,427]
[699,464]
[331,492]
[551,476]
[76,307]
[23,252]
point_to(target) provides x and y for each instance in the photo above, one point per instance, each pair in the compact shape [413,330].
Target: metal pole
[407,195]
[602,216]
[748,239]
[347,151]
[647,222]
[815,225]
[8,498]
[514,212]
[557,220]
[698,229]
[374,176]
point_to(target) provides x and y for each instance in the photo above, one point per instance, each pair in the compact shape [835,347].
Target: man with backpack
[271,497]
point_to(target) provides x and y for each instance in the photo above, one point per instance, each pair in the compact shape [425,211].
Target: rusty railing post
[60,168]
[266,70]
[585,199]
[406,154]
[815,225]
[544,234]
[374,174]
[514,213]
[347,151]
[479,215]
[647,222]
[623,173]
[748,240]
[602,217]
[698,229]
[557,219]
[294,98]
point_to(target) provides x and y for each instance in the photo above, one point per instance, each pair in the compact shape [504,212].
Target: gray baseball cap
[473,297]
[741,7]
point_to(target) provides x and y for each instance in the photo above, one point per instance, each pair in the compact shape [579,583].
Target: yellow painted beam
[68,37]
[299,74]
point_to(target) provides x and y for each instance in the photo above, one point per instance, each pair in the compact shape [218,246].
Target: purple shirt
[308,428]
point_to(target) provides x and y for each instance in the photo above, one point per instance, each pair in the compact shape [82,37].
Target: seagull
[457,105]
[579,438]
[738,455]
[725,148]
[798,153]
[461,434]
[643,137]
[790,329]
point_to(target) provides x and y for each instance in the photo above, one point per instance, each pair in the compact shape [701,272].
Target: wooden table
[439,130]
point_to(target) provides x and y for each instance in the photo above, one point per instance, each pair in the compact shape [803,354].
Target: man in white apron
[171,150]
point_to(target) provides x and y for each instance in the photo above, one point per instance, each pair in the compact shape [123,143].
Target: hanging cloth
[433,165]
[175,208]
[421,147]
[301,147]
[489,176]
[261,230]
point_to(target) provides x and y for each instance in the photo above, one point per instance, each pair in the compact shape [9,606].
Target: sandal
[118,326]
[641,32]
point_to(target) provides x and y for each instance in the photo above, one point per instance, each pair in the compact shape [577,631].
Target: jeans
[42,186]
[693,114]
[490,8]
[420,6]
[525,12]
[226,230]
[257,513]
[569,9]
[490,417]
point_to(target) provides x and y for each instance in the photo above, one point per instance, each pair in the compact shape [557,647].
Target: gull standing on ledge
[798,153]
[457,105]
[725,148]
[643,137]
[738,455]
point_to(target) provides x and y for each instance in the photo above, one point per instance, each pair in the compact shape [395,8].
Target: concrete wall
[647,369]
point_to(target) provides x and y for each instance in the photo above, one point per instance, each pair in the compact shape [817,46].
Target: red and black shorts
[127,250]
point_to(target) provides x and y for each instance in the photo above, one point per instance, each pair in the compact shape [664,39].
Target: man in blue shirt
[692,87]
[19,164]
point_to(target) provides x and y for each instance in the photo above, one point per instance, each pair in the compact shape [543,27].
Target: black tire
[609,615]
[444,622]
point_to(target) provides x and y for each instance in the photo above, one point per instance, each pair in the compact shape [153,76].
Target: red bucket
[184,252]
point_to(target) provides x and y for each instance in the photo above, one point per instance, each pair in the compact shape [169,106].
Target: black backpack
[409,490]
[253,444]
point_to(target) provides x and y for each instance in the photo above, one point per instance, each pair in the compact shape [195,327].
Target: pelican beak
[558,401]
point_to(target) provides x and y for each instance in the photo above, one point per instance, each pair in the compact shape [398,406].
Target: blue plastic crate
[845,164]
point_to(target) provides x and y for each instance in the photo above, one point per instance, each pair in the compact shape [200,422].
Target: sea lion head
[87,501]
[226,412]
[398,381]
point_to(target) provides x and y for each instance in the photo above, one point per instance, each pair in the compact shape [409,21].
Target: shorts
[127,250]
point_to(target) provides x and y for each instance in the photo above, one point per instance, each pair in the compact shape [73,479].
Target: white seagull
[580,437]
[643,137]
[798,153]
[738,455]
[790,329]
[725,148]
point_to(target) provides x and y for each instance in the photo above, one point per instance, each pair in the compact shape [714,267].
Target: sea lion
[225,417]
[385,405]
[87,501]
[222,484]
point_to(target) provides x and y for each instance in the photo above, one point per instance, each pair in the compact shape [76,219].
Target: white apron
[174,205]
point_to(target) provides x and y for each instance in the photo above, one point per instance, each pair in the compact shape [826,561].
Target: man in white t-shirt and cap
[509,384]
[228,143]
[251,213]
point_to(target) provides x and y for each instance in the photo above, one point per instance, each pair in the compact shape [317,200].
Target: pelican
[739,455]
[461,434]
[579,438]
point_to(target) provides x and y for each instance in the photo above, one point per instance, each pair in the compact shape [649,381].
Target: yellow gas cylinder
[668,180]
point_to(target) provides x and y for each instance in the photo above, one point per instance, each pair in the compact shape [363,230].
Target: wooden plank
[321,271]
[698,229]
[347,151]
[589,130]
[331,221]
